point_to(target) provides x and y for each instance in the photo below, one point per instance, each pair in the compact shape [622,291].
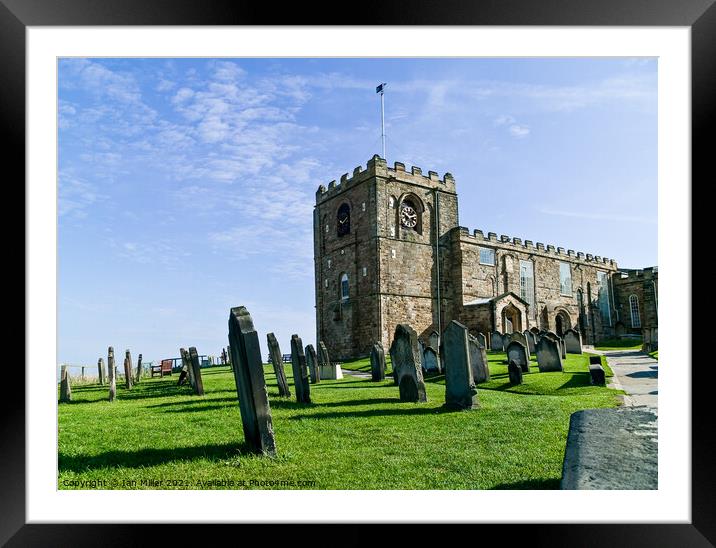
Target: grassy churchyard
[356,434]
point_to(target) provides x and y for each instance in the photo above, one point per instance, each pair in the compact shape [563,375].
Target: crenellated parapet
[378,167]
[518,244]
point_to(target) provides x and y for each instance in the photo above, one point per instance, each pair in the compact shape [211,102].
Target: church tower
[380,255]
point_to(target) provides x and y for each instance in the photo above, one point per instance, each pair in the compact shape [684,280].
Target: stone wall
[645,285]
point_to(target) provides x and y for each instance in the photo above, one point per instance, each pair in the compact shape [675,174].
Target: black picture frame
[699,15]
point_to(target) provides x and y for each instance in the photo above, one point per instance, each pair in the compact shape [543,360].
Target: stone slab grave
[517,352]
[312,363]
[482,339]
[196,370]
[65,385]
[478,360]
[101,375]
[496,342]
[326,369]
[522,339]
[549,357]
[377,362]
[431,360]
[251,390]
[597,375]
[573,341]
[613,448]
[112,374]
[460,391]
[300,371]
[530,338]
[407,364]
[277,361]
[128,369]
[514,371]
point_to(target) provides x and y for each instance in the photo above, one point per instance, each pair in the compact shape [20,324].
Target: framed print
[331,187]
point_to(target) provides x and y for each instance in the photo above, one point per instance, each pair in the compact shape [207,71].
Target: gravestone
[431,361]
[522,339]
[460,391]
[139,368]
[595,360]
[596,373]
[549,357]
[515,372]
[563,348]
[100,371]
[186,369]
[506,339]
[65,386]
[482,340]
[573,341]
[277,361]
[434,340]
[112,374]
[326,369]
[407,364]
[530,338]
[300,371]
[128,368]
[312,363]
[196,370]
[377,362]
[517,352]
[478,361]
[535,330]
[250,383]
[496,341]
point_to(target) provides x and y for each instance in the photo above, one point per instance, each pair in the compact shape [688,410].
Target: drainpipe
[437,257]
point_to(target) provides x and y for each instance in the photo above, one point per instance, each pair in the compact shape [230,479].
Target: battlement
[507,242]
[641,273]
[377,166]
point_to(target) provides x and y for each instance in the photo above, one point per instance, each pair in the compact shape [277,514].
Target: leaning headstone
[517,352]
[377,362]
[196,369]
[460,391]
[277,360]
[100,371]
[112,374]
[407,364]
[548,355]
[530,338]
[300,371]
[312,363]
[478,361]
[65,387]
[431,361]
[139,368]
[496,342]
[573,341]
[128,368]
[250,383]
[515,372]
[522,339]
[596,374]
[482,340]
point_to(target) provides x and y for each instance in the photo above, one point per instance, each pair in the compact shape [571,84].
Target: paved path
[636,373]
[355,373]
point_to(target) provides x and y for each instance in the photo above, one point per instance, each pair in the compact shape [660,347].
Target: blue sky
[186,186]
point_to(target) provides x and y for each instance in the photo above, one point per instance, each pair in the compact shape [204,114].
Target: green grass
[619,344]
[654,354]
[355,435]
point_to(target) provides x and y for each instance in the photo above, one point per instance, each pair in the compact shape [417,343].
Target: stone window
[634,307]
[603,297]
[343,219]
[365,271]
[565,279]
[326,283]
[329,263]
[363,206]
[392,253]
[527,283]
[487,256]
[344,287]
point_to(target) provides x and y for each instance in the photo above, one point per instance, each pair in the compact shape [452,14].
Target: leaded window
[603,297]
[487,256]
[565,279]
[634,307]
[527,283]
[344,287]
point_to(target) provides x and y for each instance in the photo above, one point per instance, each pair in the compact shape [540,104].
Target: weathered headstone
[431,360]
[377,362]
[196,370]
[478,361]
[460,391]
[481,339]
[535,330]
[65,386]
[112,374]
[434,340]
[300,371]
[549,357]
[312,363]
[522,339]
[514,372]
[139,368]
[563,348]
[496,341]
[250,383]
[187,371]
[530,338]
[407,364]
[128,368]
[595,360]
[517,352]
[100,371]
[506,339]
[596,373]
[573,341]
[327,369]
[277,360]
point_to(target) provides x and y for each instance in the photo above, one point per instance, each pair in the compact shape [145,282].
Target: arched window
[410,214]
[343,218]
[634,307]
[344,287]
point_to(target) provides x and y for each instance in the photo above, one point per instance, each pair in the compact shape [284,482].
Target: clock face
[408,216]
[344,223]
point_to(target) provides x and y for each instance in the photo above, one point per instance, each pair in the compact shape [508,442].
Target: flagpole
[380,89]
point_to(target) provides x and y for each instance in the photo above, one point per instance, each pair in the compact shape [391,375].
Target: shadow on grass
[287,404]
[200,409]
[193,401]
[149,457]
[419,409]
[535,484]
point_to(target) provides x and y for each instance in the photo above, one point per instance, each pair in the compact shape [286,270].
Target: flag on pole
[379,89]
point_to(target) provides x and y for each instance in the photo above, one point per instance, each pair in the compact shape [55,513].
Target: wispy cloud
[598,216]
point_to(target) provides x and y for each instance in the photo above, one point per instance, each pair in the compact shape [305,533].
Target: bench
[165,368]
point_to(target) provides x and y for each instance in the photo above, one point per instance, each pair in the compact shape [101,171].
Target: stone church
[389,249]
